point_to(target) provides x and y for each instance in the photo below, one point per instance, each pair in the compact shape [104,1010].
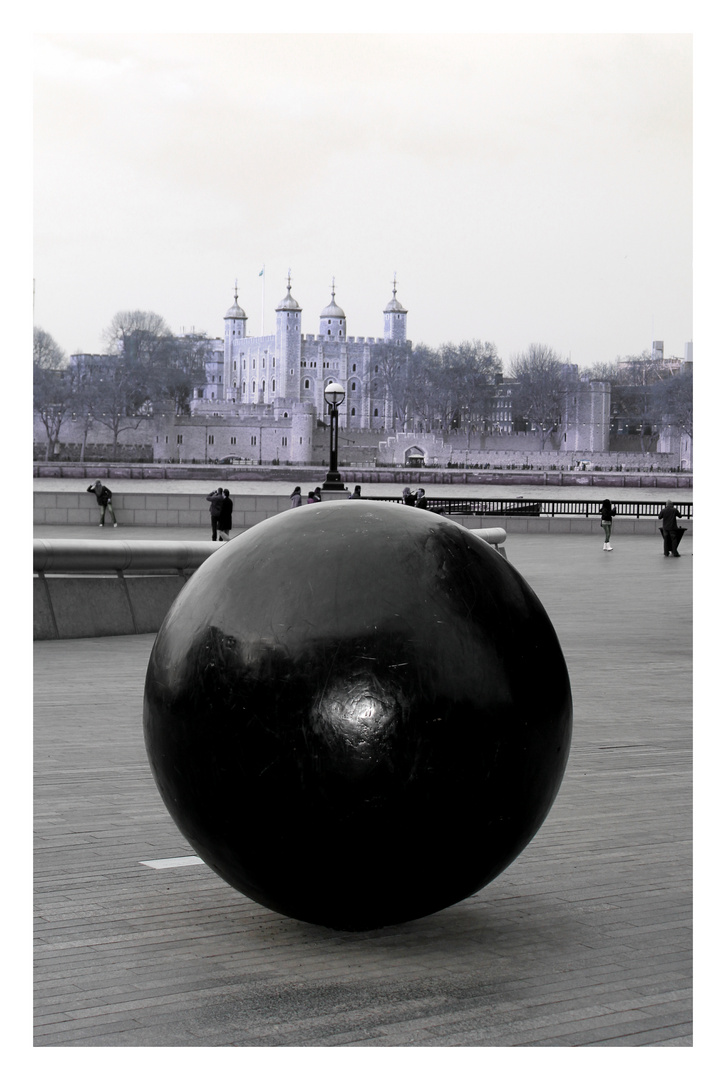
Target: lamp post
[334,395]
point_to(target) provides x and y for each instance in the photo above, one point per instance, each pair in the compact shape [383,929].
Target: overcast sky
[524,188]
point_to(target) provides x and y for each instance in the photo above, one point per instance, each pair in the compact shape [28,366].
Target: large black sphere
[357,713]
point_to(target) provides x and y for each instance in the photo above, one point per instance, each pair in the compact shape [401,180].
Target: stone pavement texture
[585,940]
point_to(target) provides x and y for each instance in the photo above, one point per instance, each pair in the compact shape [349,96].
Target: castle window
[234,365]
[210,440]
[307,384]
[352,386]
[253,441]
[179,440]
[284,440]
[244,387]
[376,367]
[263,386]
[273,386]
[233,440]
[375,412]
[254,363]
[352,411]
[353,367]
[254,387]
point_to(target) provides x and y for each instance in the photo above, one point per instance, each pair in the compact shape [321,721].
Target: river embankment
[473,481]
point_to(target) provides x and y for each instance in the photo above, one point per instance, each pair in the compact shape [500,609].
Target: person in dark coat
[103,498]
[421,501]
[356,493]
[409,499]
[215,499]
[671,531]
[607,510]
[224,523]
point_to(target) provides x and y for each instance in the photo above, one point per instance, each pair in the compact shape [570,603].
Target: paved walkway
[584,940]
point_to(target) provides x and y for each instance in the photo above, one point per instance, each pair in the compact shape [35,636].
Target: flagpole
[263,300]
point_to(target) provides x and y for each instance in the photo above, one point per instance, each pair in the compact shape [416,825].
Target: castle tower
[235,328]
[394,319]
[332,320]
[287,345]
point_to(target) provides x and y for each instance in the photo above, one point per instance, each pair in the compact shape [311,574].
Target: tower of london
[285,373]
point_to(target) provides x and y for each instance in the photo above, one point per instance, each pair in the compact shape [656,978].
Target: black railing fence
[543,507]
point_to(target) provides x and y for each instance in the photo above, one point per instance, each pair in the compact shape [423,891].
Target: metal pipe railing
[63,556]
[520,507]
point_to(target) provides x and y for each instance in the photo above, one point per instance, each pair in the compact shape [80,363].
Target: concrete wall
[187,511]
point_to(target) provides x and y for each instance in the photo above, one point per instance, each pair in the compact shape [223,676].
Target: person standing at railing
[409,499]
[671,531]
[224,524]
[103,498]
[215,500]
[607,510]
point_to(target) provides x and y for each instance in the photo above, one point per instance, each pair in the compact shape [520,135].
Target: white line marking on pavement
[166,864]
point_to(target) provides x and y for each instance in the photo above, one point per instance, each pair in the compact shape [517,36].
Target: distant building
[289,368]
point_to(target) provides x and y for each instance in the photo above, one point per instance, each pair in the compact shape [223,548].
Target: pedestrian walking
[671,532]
[607,510]
[296,498]
[215,500]
[356,493]
[224,524]
[103,498]
[409,499]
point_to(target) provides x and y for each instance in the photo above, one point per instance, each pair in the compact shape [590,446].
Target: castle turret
[394,319]
[235,328]
[287,344]
[332,319]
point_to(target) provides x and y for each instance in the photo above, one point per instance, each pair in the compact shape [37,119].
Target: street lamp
[334,395]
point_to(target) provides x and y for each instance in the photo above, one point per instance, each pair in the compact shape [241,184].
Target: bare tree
[639,393]
[52,386]
[541,383]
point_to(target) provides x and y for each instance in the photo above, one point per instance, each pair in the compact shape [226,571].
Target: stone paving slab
[585,940]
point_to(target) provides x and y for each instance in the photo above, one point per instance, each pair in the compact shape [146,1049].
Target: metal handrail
[62,556]
[521,507]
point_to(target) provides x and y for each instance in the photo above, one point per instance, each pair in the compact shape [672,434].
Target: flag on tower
[261,272]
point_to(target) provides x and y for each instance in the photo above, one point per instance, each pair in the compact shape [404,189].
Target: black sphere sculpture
[357,713]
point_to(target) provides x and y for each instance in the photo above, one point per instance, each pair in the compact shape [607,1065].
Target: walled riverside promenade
[585,940]
[310,475]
